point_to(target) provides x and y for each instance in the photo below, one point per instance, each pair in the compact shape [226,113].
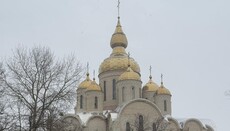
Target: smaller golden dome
[129,74]
[94,86]
[163,91]
[86,83]
[151,86]
[118,37]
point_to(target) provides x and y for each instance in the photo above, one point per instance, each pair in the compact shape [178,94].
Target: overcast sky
[186,40]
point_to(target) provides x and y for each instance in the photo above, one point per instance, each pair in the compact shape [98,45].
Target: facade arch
[193,125]
[173,124]
[96,123]
[140,100]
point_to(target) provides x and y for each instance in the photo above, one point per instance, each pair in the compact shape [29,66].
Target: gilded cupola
[94,86]
[162,90]
[150,86]
[86,83]
[118,59]
[118,37]
[129,74]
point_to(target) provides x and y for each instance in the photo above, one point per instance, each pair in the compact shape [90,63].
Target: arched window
[165,105]
[154,127]
[128,126]
[81,102]
[133,92]
[96,103]
[141,125]
[123,94]
[104,90]
[114,89]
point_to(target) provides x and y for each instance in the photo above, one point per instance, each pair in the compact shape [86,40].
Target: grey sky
[186,40]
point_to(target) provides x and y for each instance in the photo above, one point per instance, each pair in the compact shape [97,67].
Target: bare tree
[7,119]
[141,123]
[66,125]
[40,83]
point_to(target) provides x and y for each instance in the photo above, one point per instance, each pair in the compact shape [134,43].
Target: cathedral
[121,102]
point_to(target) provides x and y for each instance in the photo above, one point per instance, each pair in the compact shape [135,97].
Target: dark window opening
[114,89]
[128,127]
[141,125]
[165,105]
[154,127]
[96,103]
[81,102]
[133,92]
[123,94]
[104,90]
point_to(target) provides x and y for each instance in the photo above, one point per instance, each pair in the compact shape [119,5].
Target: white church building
[122,102]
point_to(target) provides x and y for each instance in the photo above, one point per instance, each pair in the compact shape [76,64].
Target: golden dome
[86,83]
[129,74]
[151,86]
[118,63]
[118,37]
[118,59]
[163,91]
[94,86]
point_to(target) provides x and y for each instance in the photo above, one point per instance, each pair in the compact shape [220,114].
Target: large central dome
[118,63]
[118,60]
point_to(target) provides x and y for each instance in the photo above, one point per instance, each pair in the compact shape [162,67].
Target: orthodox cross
[150,70]
[93,74]
[118,8]
[162,79]
[87,67]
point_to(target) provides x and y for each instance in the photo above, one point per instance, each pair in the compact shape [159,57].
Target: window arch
[141,125]
[128,126]
[81,102]
[96,102]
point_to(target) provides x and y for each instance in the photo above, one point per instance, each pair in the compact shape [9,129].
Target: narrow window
[128,127]
[154,127]
[133,92]
[165,105]
[141,125]
[123,95]
[81,102]
[96,103]
[114,89]
[104,90]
